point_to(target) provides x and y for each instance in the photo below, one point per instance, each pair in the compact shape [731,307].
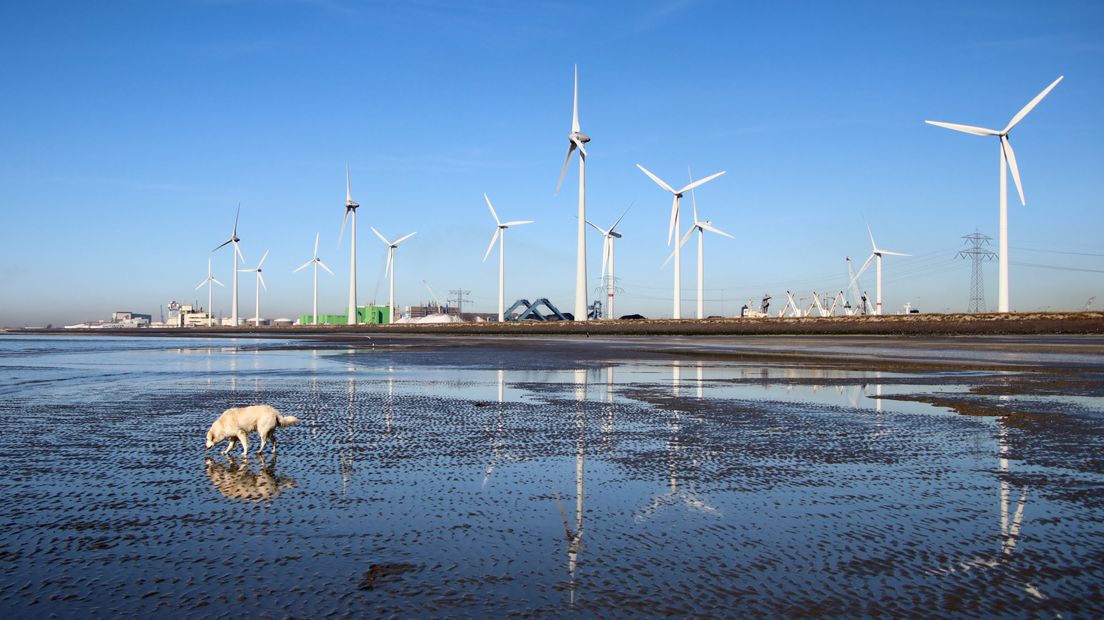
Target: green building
[372,315]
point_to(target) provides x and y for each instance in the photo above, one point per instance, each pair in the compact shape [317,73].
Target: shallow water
[626,488]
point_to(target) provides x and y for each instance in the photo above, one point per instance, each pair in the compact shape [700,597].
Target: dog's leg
[230,445]
[244,439]
[272,438]
[261,449]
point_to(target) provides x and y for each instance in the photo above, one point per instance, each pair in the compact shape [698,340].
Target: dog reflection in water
[237,480]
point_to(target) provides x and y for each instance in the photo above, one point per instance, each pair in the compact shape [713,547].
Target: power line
[1056,267]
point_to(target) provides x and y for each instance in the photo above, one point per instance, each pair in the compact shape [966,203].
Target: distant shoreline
[1026,323]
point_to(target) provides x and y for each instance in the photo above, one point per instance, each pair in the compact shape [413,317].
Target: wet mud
[484,480]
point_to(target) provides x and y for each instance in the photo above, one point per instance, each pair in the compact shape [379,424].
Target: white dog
[236,423]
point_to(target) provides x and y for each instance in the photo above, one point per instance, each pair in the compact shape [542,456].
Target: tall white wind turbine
[1007,160]
[608,237]
[876,255]
[575,140]
[391,245]
[673,229]
[317,262]
[350,207]
[500,236]
[260,282]
[208,280]
[700,226]
[237,255]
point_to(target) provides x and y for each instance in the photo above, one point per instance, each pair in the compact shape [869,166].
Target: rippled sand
[475,481]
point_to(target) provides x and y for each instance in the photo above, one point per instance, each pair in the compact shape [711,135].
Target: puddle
[626,488]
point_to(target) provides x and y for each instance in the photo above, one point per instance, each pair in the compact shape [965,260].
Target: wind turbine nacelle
[615,235]
[581,137]
[351,204]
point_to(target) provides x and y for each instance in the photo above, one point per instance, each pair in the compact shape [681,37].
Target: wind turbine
[876,254]
[350,207]
[700,226]
[208,280]
[608,237]
[673,228]
[317,262]
[1007,159]
[237,256]
[260,282]
[576,139]
[500,236]
[391,245]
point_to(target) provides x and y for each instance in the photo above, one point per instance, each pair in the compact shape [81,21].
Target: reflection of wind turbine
[391,245]
[575,538]
[673,229]
[260,282]
[500,236]
[876,254]
[208,280]
[237,255]
[1007,160]
[608,237]
[675,494]
[700,226]
[576,140]
[350,207]
[317,262]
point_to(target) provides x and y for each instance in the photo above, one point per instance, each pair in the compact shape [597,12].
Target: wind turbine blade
[222,244]
[713,229]
[862,269]
[404,238]
[390,261]
[567,160]
[517,223]
[303,266]
[236,221]
[575,108]
[700,182]
[343,220]
[873,245]
[674,214]
[200,285]
[595,227]
[260,278]
[490,247]
[1031,105]
[977,131]
[315,245]
[605,254]
[619,219]
[323,265]
[491,207]
[262,259]
[888,253]
[381,237]
[1011,156]
[669,257]
[579,143]
[215,280]
[348,185]
[686,237]
[237,250]
[658,180]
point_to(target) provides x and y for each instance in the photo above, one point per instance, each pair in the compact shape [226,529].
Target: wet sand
[558,476]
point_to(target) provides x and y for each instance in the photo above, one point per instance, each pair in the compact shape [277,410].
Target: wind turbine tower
[237,255]
[350,207]
[575,140]
[608,237]
[260,282]
[317,262]
[500,236]
[391,245]
[673,229]
[1007,160]
[208,281]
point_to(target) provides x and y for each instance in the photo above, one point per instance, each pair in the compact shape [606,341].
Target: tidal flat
[530,476]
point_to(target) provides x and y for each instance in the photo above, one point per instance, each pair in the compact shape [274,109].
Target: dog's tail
[286,420]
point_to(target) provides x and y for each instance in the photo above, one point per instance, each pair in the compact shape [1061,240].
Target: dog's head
[212,437]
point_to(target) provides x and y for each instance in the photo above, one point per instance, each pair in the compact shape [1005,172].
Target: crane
[435,298]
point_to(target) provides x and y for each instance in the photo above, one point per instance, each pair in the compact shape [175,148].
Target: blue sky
[131,130]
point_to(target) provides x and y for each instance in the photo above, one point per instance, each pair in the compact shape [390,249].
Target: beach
[438,475]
